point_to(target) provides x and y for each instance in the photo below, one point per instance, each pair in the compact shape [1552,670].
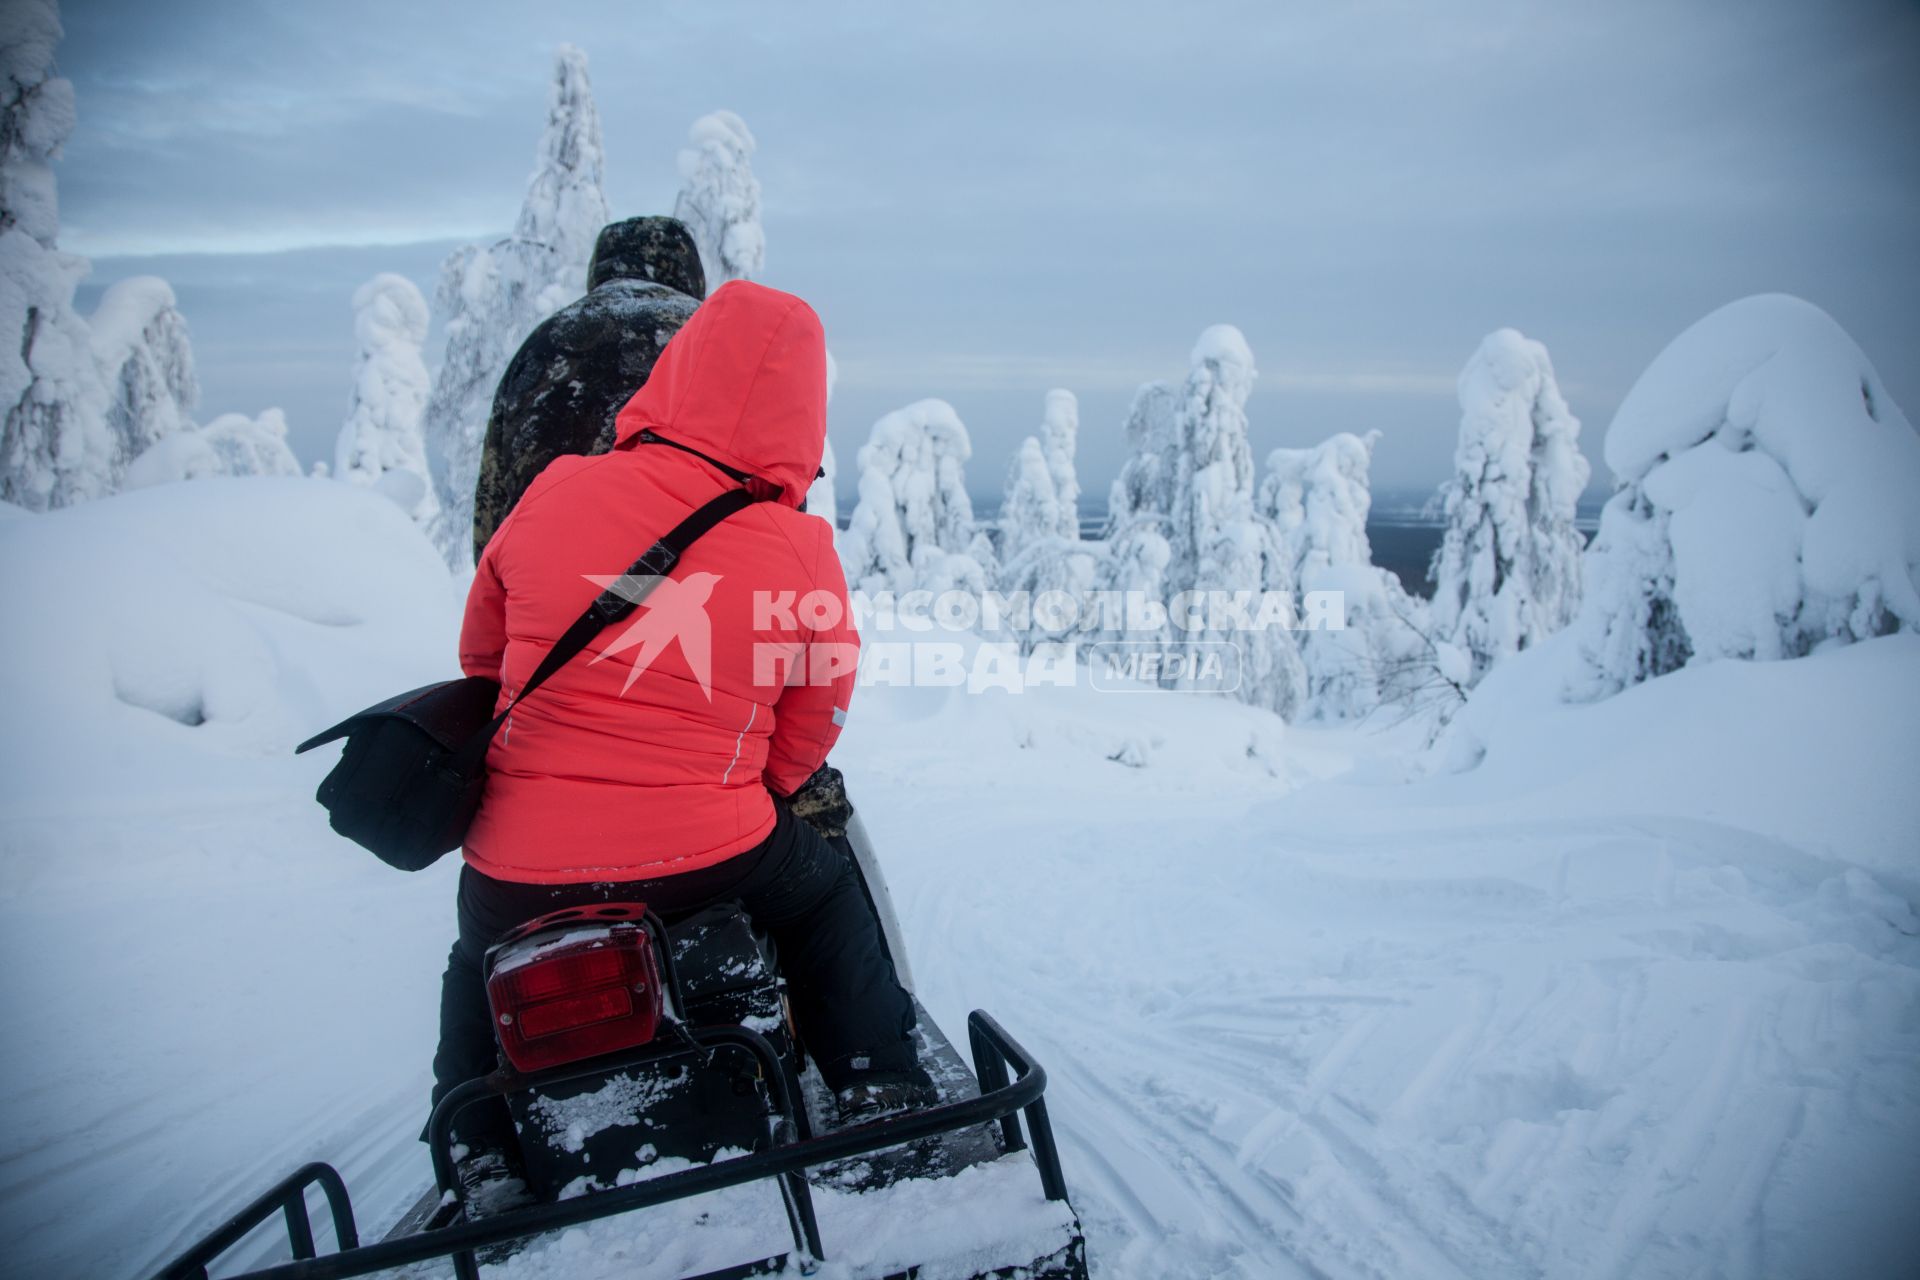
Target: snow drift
[231,445]
[172,634]
[1632,997]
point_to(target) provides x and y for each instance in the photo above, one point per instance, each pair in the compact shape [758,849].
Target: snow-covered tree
[720,198]
[1132,565]
[913,526]
[90,405]
[1318,500]
[1766,503]
[1041,502]
[1059,432]
[254,446]
[1213,467]
[1134,552]
[140,345]
[492,296]
[55,446]
[566,201]
[1035,556]
[35,119]
[231,445]
[1030,512]
[1507,573]
[1331,494]
[1039,546]
[1144,488]
[1216,542]
[382,435]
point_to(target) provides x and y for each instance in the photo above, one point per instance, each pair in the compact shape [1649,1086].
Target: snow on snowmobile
[646,1062]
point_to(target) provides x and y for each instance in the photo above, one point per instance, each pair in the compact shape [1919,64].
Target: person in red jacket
[652,767]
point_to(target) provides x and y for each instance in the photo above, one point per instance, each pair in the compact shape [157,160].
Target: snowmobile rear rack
[289,1195]
[1001,1099]
[681,1041]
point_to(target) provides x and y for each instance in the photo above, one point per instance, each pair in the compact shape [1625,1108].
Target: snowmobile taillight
[575,985]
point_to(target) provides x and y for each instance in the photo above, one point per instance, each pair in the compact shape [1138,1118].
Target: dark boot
[489,1183]
[876,1099]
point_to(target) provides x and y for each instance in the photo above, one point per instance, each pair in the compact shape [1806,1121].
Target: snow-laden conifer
[1030,512]
[1507,573]
[1036,559]
[1039,510]
[1217,543]
[1135,552]
[492,296]
[1059,435]
[382,434]
[141,348]
[1144,488]
[1766,504]
[1132,569]
[913,527]
[55,445]
[719,198]
[1318,499]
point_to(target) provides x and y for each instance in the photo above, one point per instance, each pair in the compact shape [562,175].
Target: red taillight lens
[570,1013]
[576,992]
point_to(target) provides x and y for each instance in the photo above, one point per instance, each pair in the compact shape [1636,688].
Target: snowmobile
[645,1062]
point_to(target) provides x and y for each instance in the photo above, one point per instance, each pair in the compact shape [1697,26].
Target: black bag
[414,767]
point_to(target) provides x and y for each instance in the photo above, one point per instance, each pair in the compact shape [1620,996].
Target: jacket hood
[656,249]
[745,383]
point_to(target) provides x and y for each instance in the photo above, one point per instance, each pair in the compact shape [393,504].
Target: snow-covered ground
[1630,989]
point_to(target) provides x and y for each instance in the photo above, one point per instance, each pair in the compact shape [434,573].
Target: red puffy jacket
[608,773]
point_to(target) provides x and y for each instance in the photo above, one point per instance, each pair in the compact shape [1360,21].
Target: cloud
[987,199]
[991,371]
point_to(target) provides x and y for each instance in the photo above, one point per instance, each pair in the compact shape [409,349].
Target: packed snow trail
[1638,994]
[1447,1044]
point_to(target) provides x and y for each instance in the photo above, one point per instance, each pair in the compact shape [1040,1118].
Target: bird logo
[671,611]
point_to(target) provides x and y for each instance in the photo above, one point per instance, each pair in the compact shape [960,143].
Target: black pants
[803,890]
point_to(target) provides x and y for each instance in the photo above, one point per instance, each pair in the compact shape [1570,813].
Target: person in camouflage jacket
[567,383]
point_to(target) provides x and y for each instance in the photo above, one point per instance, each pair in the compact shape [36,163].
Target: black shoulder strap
[610,606]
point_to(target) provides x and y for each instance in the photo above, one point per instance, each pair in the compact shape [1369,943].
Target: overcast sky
[988,200]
